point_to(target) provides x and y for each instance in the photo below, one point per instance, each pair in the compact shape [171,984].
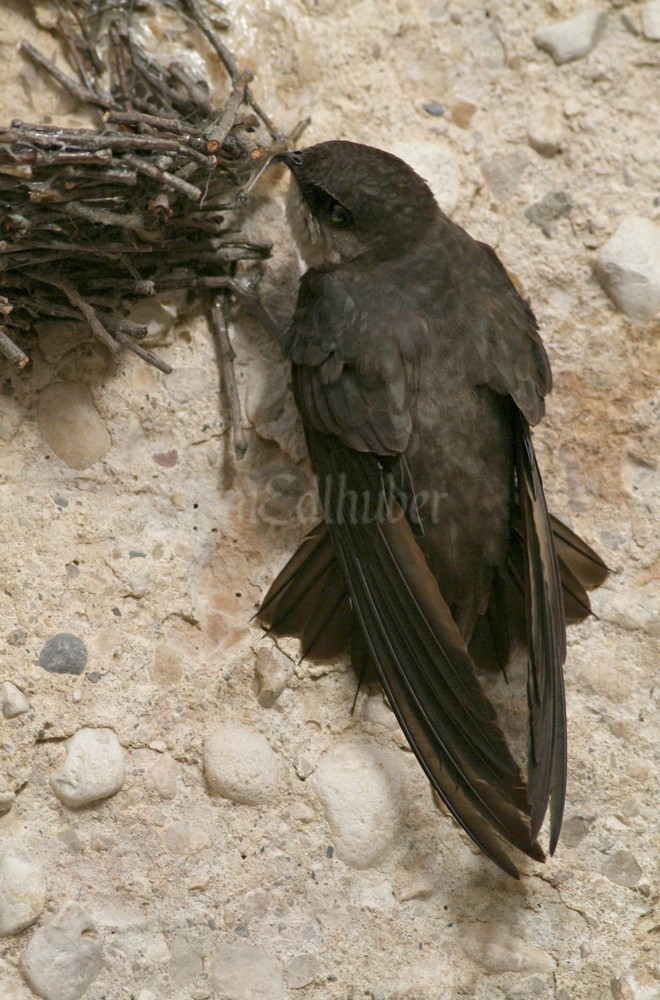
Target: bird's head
[346,200]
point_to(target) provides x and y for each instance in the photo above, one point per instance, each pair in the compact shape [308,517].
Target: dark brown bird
[418,370]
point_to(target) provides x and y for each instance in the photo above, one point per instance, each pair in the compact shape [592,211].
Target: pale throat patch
[319,245]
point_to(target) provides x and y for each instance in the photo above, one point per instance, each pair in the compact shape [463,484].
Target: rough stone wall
[255,840]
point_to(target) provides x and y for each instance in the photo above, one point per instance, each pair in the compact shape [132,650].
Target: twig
[82,94]
[229,63]
[11,351]
[219,132]
[86,311]
[227,356]
[169,180]
[121,68]
[143,353]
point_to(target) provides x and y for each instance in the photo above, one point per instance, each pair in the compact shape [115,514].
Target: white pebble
[240,765]
[361,792]
[496,950]
[629,268]
[164,775]
[64,957]
[14,702]
[544,131]
[22,891]
[187,836]
[93,768]
[651,20]
[244,973]
[572,39]
[572,107]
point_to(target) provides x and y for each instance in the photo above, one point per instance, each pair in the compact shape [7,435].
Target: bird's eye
[325,207]
[338,216]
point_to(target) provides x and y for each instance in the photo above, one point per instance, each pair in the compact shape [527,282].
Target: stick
[11,351]
[227,356]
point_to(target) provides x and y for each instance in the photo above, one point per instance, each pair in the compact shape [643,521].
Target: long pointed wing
[546,643]
[420,656]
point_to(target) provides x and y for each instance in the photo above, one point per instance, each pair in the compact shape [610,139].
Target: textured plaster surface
[156,551]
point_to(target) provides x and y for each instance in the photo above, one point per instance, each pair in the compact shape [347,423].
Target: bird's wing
[516,364]
[355,404]
[546,643]
[350,386]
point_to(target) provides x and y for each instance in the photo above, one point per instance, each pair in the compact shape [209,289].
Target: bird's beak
[292,160]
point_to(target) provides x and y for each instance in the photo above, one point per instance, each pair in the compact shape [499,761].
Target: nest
[93,220]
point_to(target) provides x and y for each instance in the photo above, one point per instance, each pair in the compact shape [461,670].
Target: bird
[418,371]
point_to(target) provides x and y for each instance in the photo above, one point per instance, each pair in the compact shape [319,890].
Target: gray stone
[22,891]
[361,792]
[496,950]
[14,702]
[64,957]
[239,972]
[93,768]
[63,654]
[301,971]
[71,425]
[502,174]
[622,868]
[240,765]
[434,109]
[544,213]
[651,20]
[574,38]
[629,268]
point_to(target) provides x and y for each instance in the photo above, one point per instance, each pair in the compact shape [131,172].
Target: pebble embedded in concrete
[63,653]
[301,971]
[544,213]
[22,891]
[14,701]
[545,132]
[360,789]
[71,425]
[622,868]
[164,776]
[244,973]
[240,765]
[7,799]
[629,268]
[496,950]
[574,38]
[272,670]
[64,957]
[650,13]
[502,174]
[93,768]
